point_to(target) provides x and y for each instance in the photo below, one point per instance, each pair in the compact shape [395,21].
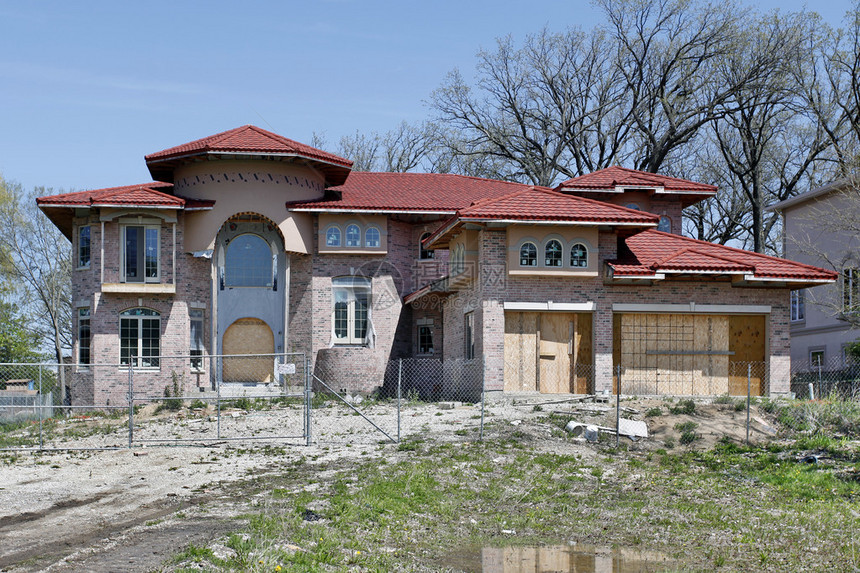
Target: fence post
[749,393]
[483,394]
[399,381]
[618,410]
[308,399]
[41,401]
[218,398]
[130,402]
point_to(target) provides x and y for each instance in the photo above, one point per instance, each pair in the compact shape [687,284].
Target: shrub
[653,412]
[684,407]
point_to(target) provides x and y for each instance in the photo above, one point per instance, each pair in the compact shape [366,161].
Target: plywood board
[248,336]
[520,351]
[583,364]
[555,367]
[748,341]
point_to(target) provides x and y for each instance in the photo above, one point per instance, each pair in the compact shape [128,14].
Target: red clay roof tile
[612,177]
[154,194]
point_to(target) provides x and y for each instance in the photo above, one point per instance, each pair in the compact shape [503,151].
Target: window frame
[425,333]
[270,257]
[81,248]
[850,290]
[197,348]
[818,350]
[328,230]
[425,254]
[367,231]
[666,219]
[585,259]
[469,335]
[353,286]
[797,305]
[84,360]
[141,254]
[520,258]
[153,361]
[346,239]
[560,253]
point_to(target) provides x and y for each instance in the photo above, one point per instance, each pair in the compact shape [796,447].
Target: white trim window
[351,313]
[84,336]
[332,236]
[84,247]
[553,253]
[850,290]
[579,256]
[797,305]
[196,345]
[816,358]
[469,335]
[424,254]
[371,238]
[528,254]
[353,236]
[141,253]
[139,338]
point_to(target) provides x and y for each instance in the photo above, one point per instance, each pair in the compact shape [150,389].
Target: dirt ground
[71,510]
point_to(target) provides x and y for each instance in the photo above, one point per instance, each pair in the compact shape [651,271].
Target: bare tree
[37,261]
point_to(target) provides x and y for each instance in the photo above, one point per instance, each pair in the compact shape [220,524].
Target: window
[458,260]
[332,237]
[850,290]
[196,346]
[84,247]
[351,306]
[816,358]
[634,206]
[579,256]
[424,254]
[798,305]
[528,255]
[141,253]
[425,339]
[552,253]
[469,335]
[249,262]
[371,237]
[84,336]
[665,224]
[139,338]
[353,236]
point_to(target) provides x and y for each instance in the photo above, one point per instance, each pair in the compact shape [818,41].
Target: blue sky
[89,88]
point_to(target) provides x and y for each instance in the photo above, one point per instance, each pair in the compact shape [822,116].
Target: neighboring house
[820,228]
[251,243]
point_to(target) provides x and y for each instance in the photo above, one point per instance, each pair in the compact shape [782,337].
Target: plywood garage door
[674,353]
[548,352]
[248,336]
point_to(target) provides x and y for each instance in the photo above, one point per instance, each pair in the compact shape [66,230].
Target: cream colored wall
[538,234]
[261,187]
[363,221]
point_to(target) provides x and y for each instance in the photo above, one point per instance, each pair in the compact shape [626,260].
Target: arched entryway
[248,336]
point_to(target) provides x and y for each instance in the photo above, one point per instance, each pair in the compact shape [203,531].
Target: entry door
[248,336]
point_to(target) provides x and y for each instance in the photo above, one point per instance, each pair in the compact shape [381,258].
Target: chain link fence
[207,399]
[824,378]
[713,378]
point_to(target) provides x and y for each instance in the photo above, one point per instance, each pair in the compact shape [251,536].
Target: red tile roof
[657,252]
[538,204]
[154,194]
[248,139]
[433,192]
[611,177]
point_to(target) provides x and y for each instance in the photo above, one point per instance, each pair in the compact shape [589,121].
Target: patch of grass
[655,412]
[687,407]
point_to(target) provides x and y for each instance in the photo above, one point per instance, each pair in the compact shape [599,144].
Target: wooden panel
[555,364]
[748,341]
[248,336]
[583,366]
[521,351]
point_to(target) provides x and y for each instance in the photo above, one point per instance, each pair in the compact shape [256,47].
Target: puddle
[558,559]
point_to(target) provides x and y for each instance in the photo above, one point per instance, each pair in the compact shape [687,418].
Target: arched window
[371,237]
[139,337]
[552,254]
[424,254]
[665,224]
[528,255]
[353,236]
[332,237]
[249,262]
[579,256]
[634,206]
